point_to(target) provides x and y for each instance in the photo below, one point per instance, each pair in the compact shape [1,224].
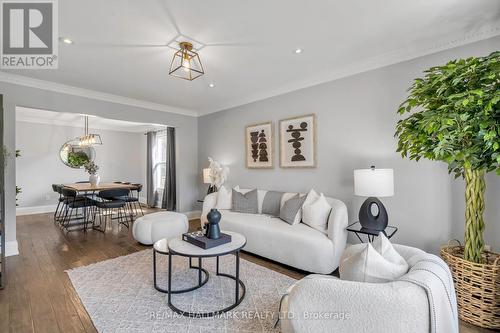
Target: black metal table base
[201,282]
[240,289]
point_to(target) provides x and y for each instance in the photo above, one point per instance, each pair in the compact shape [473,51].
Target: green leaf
[455,115]
[477,92]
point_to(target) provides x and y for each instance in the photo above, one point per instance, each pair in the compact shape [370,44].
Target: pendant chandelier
[89,139]
[186,63]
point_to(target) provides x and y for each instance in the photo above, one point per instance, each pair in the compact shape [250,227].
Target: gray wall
[121,157]
[186,135]
[356,118]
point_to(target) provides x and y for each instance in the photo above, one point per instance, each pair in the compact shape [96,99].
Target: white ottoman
[150,228]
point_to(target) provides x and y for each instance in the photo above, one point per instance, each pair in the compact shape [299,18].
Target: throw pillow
[224,198]
[385,248]
[260,199]
[311,197]
[291,212]
[363,263]
[285,197]
[316,213]
[245,203]
[272,203]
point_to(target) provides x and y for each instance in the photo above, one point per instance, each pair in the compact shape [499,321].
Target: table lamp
[208,180]
[373,183]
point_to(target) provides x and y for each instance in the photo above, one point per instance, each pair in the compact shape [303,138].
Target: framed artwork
[259,143]
[298,142]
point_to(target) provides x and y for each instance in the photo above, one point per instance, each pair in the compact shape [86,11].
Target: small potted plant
[92,169]
[455,118]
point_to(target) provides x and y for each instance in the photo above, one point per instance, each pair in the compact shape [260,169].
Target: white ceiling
[120,46]
[38,116]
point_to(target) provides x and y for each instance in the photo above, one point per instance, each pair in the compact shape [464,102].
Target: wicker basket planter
[477,286]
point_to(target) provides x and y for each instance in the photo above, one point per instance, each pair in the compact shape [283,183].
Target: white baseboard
[193,215]
[11,248]
[35,210]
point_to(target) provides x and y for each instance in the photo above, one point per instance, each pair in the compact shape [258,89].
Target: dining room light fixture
[89,139]
[186,63]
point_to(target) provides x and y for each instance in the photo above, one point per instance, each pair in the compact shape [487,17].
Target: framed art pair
[297,143]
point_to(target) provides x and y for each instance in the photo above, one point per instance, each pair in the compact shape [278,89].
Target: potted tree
[454,117]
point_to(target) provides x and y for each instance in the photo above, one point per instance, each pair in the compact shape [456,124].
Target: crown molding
[92,94]
[373,63]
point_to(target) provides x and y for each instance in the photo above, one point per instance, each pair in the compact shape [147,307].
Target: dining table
[90,191]
[87,187]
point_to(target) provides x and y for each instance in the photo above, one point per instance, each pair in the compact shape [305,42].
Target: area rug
[119,296]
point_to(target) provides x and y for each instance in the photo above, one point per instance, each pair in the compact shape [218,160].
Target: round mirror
[74,155]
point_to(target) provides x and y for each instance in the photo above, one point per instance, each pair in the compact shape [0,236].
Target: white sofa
[392,307]
[299,246]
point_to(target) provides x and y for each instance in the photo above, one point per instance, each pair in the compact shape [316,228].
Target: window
[160,165]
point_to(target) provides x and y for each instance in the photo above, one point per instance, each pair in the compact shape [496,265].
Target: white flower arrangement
[91,167]
[218,173]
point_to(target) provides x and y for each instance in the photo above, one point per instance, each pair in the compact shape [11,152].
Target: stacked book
[199,239]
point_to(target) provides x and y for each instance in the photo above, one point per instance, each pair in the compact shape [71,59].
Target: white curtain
[152,194]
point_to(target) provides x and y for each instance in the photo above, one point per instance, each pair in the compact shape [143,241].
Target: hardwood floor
[39,296]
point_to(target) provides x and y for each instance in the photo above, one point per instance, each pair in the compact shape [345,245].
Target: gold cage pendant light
[89,139]
[186,63]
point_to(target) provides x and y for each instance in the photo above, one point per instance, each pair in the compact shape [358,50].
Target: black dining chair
[106,203]
[61,202]
[71,219]
[132,201]
[138,189]
[57,189]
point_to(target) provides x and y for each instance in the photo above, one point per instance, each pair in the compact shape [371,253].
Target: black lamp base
[368,220]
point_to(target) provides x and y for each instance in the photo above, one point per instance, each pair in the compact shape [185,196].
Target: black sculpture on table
[213,229]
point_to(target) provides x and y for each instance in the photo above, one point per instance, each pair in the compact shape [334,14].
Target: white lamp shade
[374,182]
[206,176]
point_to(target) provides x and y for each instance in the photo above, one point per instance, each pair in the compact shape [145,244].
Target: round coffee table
[182,248]
[161,247]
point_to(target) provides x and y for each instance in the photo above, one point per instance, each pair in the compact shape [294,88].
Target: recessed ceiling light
[66,40]
[297,51]
[211,85]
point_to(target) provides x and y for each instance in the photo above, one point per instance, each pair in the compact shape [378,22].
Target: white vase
[94,179]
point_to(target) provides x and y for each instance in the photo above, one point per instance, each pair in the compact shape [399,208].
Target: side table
[358,230]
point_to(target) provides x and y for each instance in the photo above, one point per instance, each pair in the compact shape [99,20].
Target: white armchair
[321,303]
